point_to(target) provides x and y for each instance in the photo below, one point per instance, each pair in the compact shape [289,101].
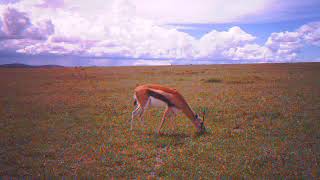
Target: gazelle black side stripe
[160,97]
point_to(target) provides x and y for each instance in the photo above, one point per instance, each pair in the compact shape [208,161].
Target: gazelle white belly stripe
[154,102]
[176,110]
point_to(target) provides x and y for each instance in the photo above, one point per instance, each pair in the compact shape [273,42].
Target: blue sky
[148,32]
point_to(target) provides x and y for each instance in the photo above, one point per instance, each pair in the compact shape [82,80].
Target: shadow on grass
[169,138]
[174,138]
[169,134]
[178,134]
[174,134]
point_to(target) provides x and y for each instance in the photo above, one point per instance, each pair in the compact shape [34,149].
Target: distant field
[263,120]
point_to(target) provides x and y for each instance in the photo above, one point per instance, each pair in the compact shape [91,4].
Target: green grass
[262,120]
[213,80]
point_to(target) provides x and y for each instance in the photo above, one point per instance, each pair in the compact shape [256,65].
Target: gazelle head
[200,123]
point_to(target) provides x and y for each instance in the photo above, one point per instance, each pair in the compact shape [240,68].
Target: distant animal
[155,95]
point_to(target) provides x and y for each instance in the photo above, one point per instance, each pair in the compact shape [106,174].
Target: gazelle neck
[190,113]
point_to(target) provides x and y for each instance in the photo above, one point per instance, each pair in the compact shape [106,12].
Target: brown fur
[171,94]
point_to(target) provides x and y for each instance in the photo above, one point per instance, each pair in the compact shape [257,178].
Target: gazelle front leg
[142,112]
[172,115]
[135,113]
[168,110]
[142,117]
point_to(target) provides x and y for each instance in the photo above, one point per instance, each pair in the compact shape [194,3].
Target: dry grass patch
[262,120]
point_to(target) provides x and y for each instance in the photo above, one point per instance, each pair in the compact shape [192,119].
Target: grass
[213,80]
[262,120]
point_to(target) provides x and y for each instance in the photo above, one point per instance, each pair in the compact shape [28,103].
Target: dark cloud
[14,23]
[17,25]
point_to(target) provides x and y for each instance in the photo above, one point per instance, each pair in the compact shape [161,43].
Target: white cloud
[215,42]
[52,4]
[12,45]
[60,27]
[164,11]
[310,33]
[185,11]
[144,62]
[40,30]
[202,11]
[284,45]
[249,51]
[52,48]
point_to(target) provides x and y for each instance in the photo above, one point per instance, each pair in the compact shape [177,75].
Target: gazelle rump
[154,95]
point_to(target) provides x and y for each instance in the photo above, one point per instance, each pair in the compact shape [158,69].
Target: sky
[153,32]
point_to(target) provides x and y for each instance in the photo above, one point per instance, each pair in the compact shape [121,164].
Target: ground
[262,120]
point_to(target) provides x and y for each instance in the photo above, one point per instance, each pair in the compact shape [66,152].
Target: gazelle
[154,95]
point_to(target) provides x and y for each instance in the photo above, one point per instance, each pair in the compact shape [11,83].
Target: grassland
[263,120]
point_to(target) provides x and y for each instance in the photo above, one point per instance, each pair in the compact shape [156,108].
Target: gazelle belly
[154,102]
[176,110]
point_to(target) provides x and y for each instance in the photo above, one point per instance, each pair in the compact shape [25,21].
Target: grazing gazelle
[156,96]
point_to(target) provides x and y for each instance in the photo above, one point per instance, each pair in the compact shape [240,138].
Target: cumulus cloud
[249,51]
[17,25]
[14,23]
[287,45]
[40,30]
[58,28]
[284,45]
[215,42]
[310,33]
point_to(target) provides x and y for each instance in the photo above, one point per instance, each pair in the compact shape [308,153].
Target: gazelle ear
[203,118]
[203,115]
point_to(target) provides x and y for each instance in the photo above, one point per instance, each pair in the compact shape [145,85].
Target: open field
[263,120]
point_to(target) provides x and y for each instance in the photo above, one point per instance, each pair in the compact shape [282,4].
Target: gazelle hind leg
[167,111]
